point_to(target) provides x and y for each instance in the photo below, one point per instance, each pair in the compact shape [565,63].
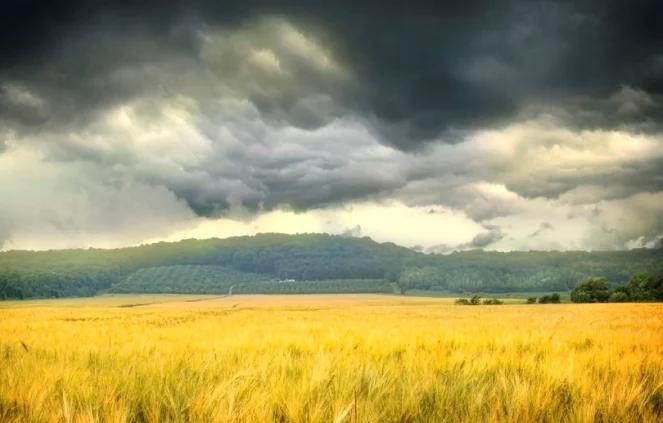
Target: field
[327,358]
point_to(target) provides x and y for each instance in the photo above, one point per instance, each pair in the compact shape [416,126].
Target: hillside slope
[306,257]
[210,279]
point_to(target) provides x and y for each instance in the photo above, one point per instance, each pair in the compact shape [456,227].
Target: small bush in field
[550,299]
[476,300]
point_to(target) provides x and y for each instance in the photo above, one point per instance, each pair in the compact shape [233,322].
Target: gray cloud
[622,221]
[491,235]
[225,108]
[484,239]
[80,206]
[543,227]
[419,72]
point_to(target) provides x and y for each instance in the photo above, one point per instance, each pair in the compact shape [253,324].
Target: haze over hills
[272,263]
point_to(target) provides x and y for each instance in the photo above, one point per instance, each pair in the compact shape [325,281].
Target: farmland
[324,358]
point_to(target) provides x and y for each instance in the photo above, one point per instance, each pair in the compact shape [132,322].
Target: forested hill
[303,263]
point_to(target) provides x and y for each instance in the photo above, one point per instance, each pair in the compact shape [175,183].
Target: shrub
[646,287]
[550,299]
[476,300]
[531,300]
[618,297]
[591,290]
[580,297]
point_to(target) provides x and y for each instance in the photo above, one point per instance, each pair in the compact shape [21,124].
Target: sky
[440,126]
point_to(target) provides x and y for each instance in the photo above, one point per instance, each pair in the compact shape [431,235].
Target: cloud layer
[539,123]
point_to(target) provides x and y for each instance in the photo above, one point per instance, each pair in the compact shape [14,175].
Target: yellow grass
[363,358]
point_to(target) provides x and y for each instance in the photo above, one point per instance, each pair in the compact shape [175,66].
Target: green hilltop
[304,263]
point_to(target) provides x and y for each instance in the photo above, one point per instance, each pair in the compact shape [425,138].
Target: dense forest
[305,263]
[209,279]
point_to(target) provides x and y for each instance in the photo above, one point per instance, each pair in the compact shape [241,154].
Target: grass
[326,358]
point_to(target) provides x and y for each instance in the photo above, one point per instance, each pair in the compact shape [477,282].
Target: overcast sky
[503,125]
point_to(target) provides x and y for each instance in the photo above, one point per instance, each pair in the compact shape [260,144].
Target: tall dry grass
[329,359]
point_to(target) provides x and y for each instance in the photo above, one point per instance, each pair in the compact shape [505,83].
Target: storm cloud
[420,71]
[236,109]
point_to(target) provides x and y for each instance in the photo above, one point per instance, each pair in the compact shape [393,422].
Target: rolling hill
[303,263]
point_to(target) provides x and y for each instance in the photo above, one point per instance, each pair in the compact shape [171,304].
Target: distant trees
[417,278]
[641,287]
[594,289]
[550,299]
[476,300]
[319,257]
[545,299]
[619,297]
[645,287]
[206,279]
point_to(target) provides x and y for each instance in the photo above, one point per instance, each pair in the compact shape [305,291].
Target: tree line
[210,279]
[641,287]
[310,259]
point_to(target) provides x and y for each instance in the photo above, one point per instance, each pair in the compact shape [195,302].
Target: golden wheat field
[336,358]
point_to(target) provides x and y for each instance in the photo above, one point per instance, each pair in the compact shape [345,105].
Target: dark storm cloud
[257,105]
[422,69]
